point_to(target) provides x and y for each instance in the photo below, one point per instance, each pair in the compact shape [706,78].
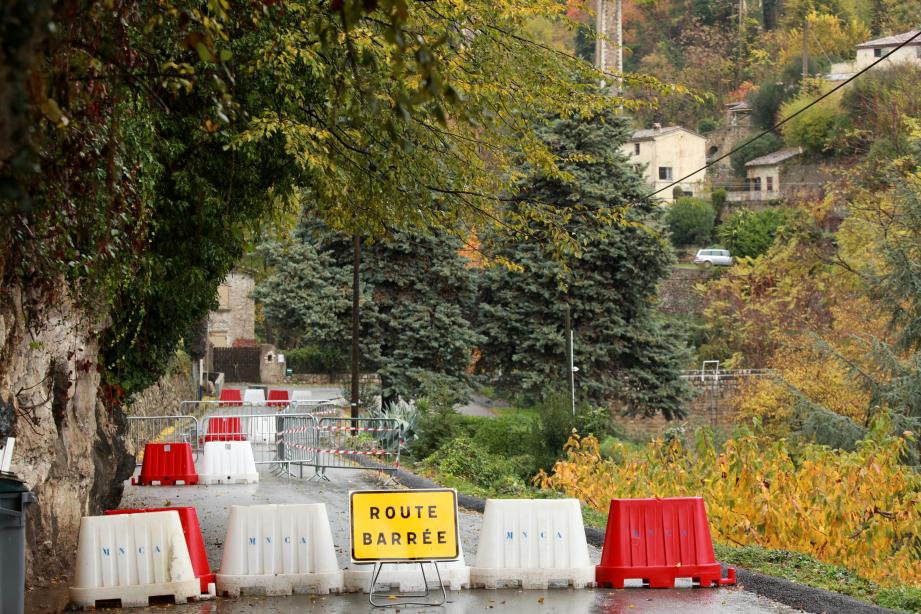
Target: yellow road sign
[404,525]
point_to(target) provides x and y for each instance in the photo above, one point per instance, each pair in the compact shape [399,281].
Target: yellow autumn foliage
[831,34]
[823,380]
[856,509]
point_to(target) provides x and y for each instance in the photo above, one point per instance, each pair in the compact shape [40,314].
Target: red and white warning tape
[343,452]
[362,429]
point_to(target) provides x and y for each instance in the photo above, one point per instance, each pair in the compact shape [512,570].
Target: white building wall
[906,55]
[765,173]
[682,151]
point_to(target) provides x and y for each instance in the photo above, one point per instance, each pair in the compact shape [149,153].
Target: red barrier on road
[193,539]
[224,429]
[167,463]
[659,540]
[231,397]
[278,398]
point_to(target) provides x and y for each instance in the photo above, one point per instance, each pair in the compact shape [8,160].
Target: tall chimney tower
[609,46]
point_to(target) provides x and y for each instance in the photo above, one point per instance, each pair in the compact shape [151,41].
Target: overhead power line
[786,119]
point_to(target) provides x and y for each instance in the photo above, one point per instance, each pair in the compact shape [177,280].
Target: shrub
[406,414]
[436,425]
[707,124]
[718,202]
[505,435]
[772,93]
[690,221]
[469,460]
[768,143]
[817,128]
[555,424]
[319,358]
[750,233]
[766,101]
[369,394]
[436,421]
[847,508]
[877,102]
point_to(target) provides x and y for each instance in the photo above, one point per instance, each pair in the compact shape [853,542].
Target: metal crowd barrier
[220,408]
[284,439]
[318,407]
[357,443]
[314,407]
[294,441]
[161,429]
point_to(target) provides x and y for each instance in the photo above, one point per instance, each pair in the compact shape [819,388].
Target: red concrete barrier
[658,541]
[193,539]
[225,429]
[167,464]
[231,397]
[278,398]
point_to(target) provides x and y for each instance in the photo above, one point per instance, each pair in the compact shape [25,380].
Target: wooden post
[805,49]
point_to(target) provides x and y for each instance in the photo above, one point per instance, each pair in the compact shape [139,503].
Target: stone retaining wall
[712,407]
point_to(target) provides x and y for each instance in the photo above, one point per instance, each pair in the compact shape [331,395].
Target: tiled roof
[651,133]
[892,41]
[775,157]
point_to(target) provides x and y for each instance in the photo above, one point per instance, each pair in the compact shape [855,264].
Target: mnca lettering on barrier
[404,525]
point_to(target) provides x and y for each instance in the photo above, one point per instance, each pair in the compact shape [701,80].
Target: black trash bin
[14,497]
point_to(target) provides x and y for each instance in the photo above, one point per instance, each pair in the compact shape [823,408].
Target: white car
[707,257]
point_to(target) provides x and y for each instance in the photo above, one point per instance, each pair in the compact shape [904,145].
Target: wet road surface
[213,503]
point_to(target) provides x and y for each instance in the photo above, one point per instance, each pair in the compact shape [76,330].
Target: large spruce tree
[417,297]
[624,352]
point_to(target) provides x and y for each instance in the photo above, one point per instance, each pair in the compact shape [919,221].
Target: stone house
[871,51]
[235,317]
[764,175]
[664,155]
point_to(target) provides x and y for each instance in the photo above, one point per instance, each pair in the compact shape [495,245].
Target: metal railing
[209,408]
[294,441]
[357,443]
[311,436]
[260,429]
[720,375]
[161,429]
[314,407]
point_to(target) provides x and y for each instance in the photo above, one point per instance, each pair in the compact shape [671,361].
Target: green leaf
[204,53]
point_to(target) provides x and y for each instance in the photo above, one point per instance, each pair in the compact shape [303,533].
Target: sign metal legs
[403,599]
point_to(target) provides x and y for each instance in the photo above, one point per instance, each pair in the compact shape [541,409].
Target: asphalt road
[213,502]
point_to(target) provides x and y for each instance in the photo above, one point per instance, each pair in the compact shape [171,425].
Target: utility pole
[356,373]
[805,49]
[743,10]
[570,360]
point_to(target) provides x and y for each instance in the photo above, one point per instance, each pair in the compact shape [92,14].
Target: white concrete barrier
[254,395]
[301,395]
[408,577]
[261,429]
[278,550]
[133,557]
[532,543]
[228,462]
